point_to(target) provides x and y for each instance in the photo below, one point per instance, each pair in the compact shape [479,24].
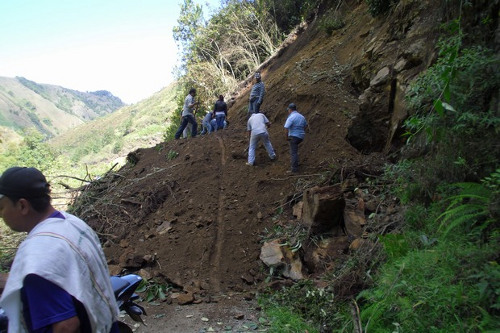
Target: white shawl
[68,254]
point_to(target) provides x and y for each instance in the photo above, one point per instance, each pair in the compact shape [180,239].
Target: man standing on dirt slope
[59,280]
[256,95]
[188,115]
[295,128]
[257,126]
[220,113]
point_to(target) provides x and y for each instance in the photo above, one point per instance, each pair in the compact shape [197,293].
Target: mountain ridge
[51,109]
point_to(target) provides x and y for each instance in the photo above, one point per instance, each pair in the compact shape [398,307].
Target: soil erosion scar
[219,237]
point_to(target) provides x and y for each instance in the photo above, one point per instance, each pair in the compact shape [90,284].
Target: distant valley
[50,109]
[86,128]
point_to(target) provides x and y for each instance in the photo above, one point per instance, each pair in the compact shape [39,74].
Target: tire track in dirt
[215,256]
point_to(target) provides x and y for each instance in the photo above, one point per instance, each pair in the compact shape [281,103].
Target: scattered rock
[149,258]
[271,254]
[381,77]
[247,278]
[354,221]
[131,260]
[164,228]
[114,269]
[184,299]
[297,210]
[323,209]
[358,243]
[145,274]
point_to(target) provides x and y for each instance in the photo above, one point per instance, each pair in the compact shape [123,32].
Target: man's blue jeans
[185,120]
[253,107]
[206,127]
[294,152]
[219,120]
[254,140]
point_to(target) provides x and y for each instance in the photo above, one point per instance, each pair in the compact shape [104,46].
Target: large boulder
[322,211]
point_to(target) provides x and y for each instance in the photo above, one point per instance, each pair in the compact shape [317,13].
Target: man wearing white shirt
[257,126]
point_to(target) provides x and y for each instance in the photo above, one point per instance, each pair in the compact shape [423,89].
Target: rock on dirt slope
[191,213]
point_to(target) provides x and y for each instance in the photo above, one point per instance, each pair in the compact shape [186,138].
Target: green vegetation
[153,290]
[172,155]
[300,307]
[331,21]
[378,7]
[436,280]
[221,52]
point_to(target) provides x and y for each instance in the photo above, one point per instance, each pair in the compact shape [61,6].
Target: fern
[470,208]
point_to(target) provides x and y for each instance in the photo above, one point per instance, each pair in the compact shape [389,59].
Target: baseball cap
[292,106]
[22,182]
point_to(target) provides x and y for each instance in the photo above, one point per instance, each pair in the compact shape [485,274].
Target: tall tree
[189,22]
[226,49]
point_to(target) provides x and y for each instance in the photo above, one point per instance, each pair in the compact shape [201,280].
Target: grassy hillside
[51,109]
[112,137]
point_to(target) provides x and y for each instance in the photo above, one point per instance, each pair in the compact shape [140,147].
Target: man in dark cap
[295,129]
[256,95]
[59,280]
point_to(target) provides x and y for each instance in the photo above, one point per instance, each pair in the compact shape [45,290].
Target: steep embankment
[191,211]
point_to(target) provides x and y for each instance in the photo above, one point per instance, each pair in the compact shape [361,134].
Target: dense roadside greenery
[444,276]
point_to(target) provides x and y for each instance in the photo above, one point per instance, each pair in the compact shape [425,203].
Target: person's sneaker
[249,164]
[274,158]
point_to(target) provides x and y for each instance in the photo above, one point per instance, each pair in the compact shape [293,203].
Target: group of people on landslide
[50,287]
[257,123]
[212,121]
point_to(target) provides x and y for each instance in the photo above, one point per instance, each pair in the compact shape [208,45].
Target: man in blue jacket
[295,129]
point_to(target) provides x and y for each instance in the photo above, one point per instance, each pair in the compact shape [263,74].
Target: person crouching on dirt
[256,95]
[59,280]
[206,123]
[220,112]
[295,127]
[257,126]
[188,114]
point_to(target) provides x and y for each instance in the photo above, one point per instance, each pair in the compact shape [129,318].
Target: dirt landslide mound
[191,213]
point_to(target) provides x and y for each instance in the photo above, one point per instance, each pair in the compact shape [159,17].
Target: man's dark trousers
[294,152]
[185,120]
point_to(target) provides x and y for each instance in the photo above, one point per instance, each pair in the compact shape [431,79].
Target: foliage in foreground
[300,307]
[447,278]
[442,274]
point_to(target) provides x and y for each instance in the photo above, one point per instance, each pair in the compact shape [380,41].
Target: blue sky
[123,46]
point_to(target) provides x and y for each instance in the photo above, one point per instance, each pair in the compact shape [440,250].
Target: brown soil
[191,213]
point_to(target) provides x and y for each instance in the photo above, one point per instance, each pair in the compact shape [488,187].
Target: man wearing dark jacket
[220,113]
